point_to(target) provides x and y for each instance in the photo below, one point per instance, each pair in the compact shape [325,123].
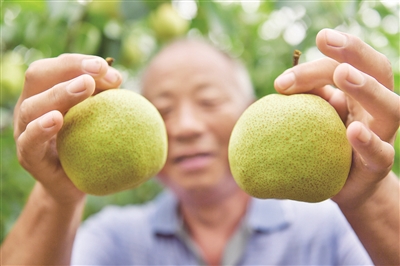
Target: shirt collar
[165,219]
[263,215]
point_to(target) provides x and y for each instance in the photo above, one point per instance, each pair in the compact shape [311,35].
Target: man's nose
[187,124]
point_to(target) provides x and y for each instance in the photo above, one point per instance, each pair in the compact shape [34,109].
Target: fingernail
[285,81]
[112,76]
[335,39]
[47,121]
[364,136]
[355,77]
[91,66]
[76,86]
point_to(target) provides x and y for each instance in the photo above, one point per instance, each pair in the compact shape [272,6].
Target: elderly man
[203,217]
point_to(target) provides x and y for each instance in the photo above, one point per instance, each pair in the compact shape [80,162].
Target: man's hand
[52,87]
[365,101]
[371,111]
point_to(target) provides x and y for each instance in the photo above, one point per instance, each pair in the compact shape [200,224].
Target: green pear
[290,147]
[11,78]
[111,142]
[167,23]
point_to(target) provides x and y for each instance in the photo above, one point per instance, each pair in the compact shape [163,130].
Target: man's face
[196,91]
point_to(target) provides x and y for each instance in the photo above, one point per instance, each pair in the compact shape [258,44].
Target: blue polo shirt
[274,232]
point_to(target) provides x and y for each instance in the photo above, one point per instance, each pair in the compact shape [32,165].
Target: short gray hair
[242,74]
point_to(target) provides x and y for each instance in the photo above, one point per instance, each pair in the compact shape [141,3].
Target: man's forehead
[188,53]
[196,63]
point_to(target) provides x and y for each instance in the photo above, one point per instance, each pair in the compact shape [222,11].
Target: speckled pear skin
[290,147]
[111,142]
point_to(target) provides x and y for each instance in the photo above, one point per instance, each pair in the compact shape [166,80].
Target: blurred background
[263,34]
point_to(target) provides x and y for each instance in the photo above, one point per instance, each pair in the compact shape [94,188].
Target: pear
[11,78]
[111,142]
[167,23]
[290,147]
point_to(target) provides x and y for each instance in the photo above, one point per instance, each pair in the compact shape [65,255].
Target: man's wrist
[52,203]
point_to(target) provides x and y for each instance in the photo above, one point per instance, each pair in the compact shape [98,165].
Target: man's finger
[373,154]
[382,104]
[314,77]
[61,97]
[46,73]
[306,77]
[32,143]
[346,48]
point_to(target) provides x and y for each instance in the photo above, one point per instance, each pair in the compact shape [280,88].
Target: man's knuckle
[54,96]
[24,111]
[31,72]
[388,64]
[385,160]
[66,57]
[389,71]
[389,161]
[385,167]
[22,155]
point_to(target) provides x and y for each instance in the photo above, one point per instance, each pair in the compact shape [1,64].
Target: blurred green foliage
[263,34]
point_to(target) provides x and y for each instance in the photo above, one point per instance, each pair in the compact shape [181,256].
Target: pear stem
[296,56]
[110,60]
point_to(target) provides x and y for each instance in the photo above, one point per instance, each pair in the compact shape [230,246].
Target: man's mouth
[193,162]
[189,157]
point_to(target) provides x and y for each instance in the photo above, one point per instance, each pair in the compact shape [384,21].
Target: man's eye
[210,102]
[165,111]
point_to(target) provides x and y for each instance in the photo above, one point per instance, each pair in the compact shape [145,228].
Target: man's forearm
[377,222]
[44,232]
